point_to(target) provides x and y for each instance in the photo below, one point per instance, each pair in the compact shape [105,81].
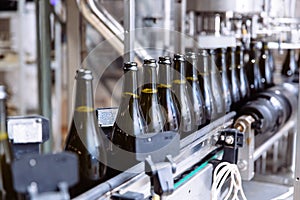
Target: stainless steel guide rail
[194,148]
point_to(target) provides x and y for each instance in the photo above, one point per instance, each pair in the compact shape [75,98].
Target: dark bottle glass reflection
[264,66]
[194,91]
[166,96]
[233,75]
[244,86]
[205,86]
[130,120]
[187,120]
[85,137]
[221,64]
[149,99]
[253,72]
[216,84]
[289,65]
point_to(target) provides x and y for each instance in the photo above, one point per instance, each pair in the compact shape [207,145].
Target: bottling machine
[258,139]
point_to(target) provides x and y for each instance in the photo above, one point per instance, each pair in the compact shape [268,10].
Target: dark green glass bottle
[193,88]
[244,86]
[85,138]
[149,99]
[205,86]
[187,120]
[216,84]
[264,66]
[166,96]
[289,65]
[233,75]
[130,121]
[6,155]
[221,64]
[253,72]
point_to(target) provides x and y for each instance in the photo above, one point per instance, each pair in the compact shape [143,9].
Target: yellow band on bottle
[179,81]
[3,136]
[84,109]
[192,78]
[149,91]
[131,94]
[164,85]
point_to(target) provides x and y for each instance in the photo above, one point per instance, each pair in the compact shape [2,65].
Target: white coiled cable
[221,173]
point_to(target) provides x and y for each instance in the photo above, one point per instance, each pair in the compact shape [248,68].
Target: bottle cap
[130,66]
[179,57]
[203,52]
[150,62]
[84,74]
[164,60]
[190,55]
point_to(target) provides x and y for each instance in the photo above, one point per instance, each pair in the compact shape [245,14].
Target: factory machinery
[250,148]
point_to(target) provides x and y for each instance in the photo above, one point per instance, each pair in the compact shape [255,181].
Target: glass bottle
[233,76]
[216,84]
[244,86]
[6,155]
[166,96]
[149,99]
[253,72]
[264,66]
[187,120]
[289,65]
[85,137]
[193,89]
[221,64]
[130,121]
[205,86]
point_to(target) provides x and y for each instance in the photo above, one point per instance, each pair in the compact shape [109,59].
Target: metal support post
[44,68]
[129,26]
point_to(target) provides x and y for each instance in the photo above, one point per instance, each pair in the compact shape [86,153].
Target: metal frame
[193,149]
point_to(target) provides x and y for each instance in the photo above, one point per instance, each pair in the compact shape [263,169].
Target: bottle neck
[130,84]
[232,60]
[191,70]
[84,101]
[150,80]
[179,72]
[291,54]
[164,76]
[203,65]
[240,58]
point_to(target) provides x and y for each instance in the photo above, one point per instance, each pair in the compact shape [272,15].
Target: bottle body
[85,138]
[289,65]
[166,96]
[221,64]
[193,89]
[233,76]
[130,121]
[216,85]
[149,99]
[205,86]
[253,72]
[187,121]
[264,66]
[243,80]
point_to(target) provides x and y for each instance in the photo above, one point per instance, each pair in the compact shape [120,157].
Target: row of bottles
[183,95]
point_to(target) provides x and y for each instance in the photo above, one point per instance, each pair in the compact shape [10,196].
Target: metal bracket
[245,158]
[230,140]
[161,175]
